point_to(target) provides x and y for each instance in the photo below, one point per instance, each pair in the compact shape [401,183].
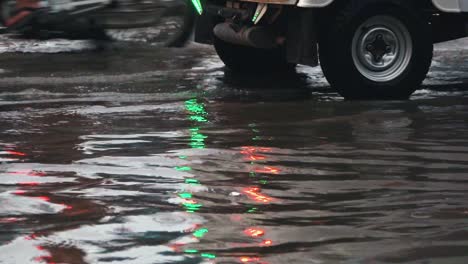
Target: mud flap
[301,37]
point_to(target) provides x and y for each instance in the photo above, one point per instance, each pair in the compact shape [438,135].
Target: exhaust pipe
[255,36]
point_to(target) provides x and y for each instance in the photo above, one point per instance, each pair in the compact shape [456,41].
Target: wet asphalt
[143,66]
[137,153]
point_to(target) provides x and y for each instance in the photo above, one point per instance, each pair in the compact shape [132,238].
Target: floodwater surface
[147,155]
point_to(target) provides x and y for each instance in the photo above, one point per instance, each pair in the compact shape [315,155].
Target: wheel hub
[382,48]
[378,47]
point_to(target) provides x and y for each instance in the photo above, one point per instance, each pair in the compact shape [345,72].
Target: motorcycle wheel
[184,16]
[167,23]
[6,10]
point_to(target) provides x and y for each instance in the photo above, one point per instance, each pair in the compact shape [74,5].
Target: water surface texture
[147,155]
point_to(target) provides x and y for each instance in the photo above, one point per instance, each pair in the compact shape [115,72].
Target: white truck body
[453,6]
[450,6]
[456,6]
[368,49]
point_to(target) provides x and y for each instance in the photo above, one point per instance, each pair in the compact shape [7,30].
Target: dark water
[159,156]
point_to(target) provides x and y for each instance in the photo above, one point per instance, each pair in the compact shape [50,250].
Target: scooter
[90,19]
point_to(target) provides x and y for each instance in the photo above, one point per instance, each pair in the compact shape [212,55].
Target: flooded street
[139,154]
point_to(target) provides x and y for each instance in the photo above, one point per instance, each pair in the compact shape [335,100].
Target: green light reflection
[197,141]
[252,210]
[192,181]
[182,168]
[195,107]
[208,255]
[200,232]
[185,195]
[192,207]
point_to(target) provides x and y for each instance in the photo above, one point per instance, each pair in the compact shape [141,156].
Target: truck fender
[452,6]
[314,3]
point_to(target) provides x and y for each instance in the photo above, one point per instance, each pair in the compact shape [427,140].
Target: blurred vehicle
[91,18]
[368,49]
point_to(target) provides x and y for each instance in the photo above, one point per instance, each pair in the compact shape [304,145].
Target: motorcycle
[92,19]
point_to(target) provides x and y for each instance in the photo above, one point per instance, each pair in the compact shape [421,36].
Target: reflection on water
[202,181]
[200,174]
[197,115]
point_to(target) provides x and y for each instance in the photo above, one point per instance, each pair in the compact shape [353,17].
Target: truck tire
[246,59]
[376,49]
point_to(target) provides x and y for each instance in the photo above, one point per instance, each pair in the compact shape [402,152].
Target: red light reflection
[67,207]
[16,153]
[190,201]
[254,232]
[249,259]
[46,259]
[267,242]
[43,198]
[192,228]
[9,220]
[28,183]
[31,237]
[236,218]
[256,157]
[28,173]
[271,170]
[254,193]
[251,152]
[176,247]
[252,149]
[248,150]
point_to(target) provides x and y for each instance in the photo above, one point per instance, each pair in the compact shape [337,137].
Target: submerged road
[142,154]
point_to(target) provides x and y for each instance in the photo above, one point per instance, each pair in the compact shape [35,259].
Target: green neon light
[182,168]
[198,6]
[190,251]
[182,157]
[254,19]
[208,255]
[200,232]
